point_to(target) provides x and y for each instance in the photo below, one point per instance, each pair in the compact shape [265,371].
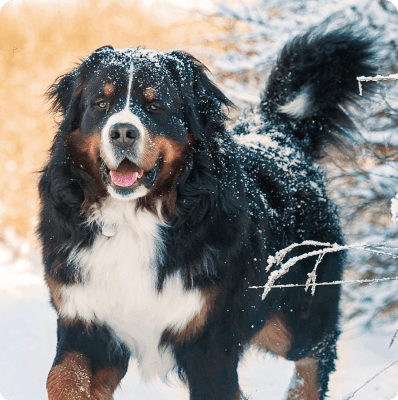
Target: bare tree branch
[361,79]
[289,285]
[329,248]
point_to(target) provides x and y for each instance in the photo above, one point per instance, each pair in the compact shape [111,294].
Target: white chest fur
[119,286]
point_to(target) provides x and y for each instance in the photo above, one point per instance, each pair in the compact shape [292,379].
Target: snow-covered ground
[28,340]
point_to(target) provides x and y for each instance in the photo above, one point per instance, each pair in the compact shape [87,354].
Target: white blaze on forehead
[122,117]
[129,87]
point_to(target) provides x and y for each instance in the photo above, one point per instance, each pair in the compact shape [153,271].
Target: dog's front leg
[88,365]
[211,372]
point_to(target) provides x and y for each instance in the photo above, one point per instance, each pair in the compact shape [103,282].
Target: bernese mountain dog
[157,219]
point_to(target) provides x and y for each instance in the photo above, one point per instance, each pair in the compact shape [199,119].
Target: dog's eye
[102,104]
[152,107]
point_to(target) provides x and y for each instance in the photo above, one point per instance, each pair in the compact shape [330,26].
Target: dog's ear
[205,106]
[202,187]
[64,98]
[60,93]
[65,93]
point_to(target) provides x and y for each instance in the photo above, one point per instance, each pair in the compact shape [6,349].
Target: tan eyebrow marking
[149,94]
[109,89]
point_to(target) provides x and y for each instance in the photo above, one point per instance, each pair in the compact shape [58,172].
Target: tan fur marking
[91,146]
[55,290]
[274,337]
[104,382]
[54,287]
[149,94]
[109,89]
[72,379]
[196,324]
[307,387]
[174,157]
[83,147]
[85,152]
[169,149]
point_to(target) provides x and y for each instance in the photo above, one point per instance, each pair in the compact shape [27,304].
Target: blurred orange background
[41,40]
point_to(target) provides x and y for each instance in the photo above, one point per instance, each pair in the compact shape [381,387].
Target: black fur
[327,75]
[239,198]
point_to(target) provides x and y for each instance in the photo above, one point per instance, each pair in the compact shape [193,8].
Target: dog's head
[130,119]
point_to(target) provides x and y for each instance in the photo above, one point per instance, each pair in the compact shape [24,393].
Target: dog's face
[130,121]
[126,109]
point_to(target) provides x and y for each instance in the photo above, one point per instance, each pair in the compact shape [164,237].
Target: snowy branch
[394,208]
[376,78]
[289,285]
[328,248]
[312,276]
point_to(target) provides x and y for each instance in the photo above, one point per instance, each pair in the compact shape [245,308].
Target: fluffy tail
[312,81]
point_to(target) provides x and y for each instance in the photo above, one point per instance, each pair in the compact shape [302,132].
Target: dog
[157,220]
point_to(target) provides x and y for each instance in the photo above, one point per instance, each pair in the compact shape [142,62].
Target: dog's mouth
[128,176]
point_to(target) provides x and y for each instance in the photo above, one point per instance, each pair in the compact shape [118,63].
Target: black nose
[123,134]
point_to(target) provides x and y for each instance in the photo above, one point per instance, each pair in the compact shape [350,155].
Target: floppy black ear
[64,97]
[203,191]
[60,93]
[204,103]
[65,93]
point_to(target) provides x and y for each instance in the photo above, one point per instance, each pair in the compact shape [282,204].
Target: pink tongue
[124,180]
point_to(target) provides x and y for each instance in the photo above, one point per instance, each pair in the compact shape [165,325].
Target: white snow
[394,208]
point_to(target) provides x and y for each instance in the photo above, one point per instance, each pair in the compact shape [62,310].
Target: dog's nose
[123,134]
